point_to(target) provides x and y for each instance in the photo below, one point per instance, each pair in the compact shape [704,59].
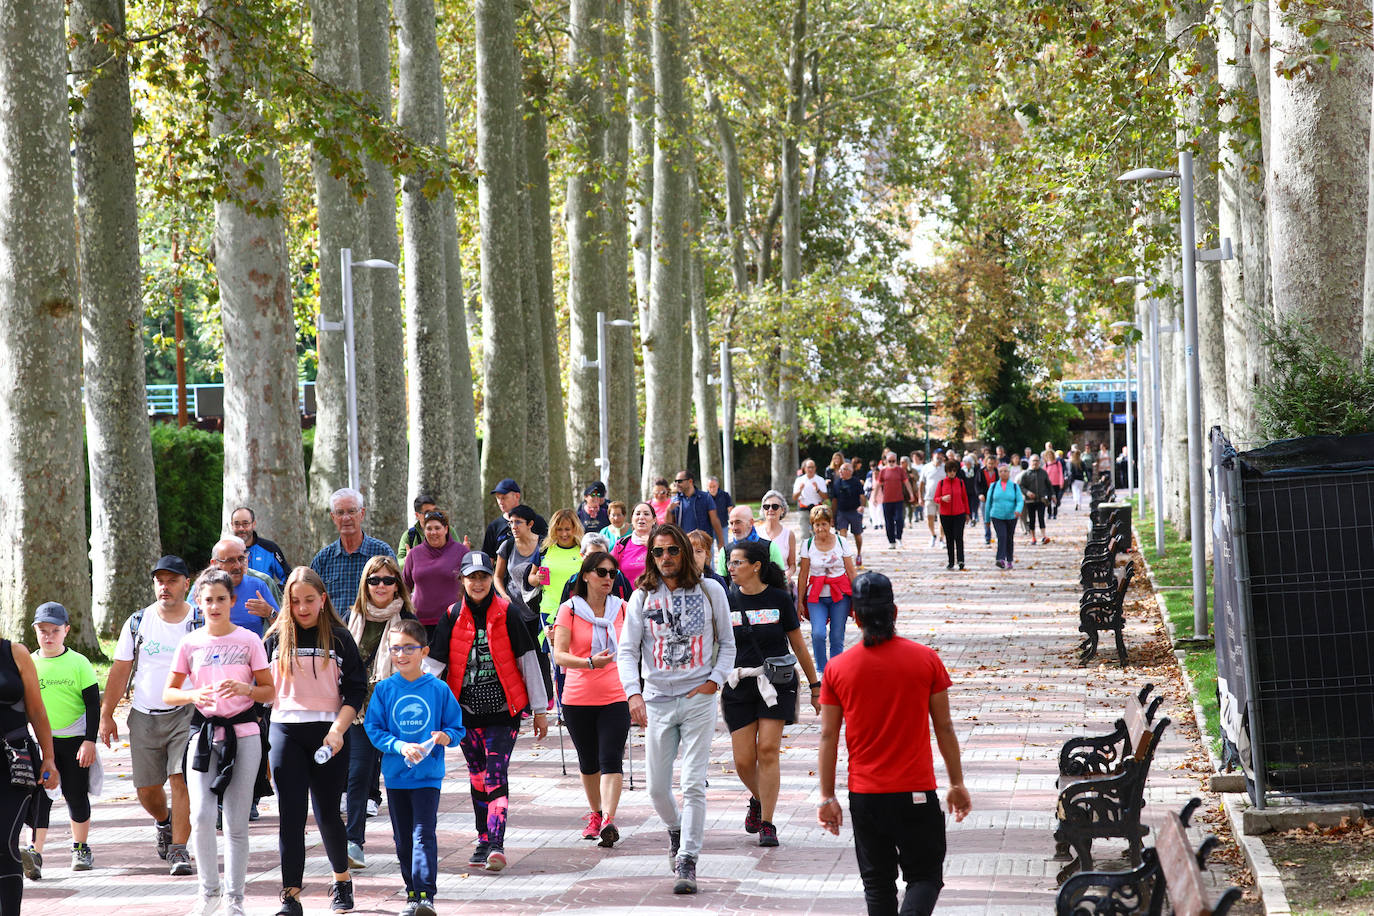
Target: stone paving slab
[1008,639]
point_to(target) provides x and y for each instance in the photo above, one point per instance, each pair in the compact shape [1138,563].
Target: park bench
[1103,755]
[1109,805]
[1099,563]
[1171,870]
[1101,610]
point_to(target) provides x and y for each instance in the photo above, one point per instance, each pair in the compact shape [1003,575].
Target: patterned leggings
[487,750]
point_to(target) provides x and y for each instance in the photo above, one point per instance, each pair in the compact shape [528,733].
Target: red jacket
[498,640]
[958,493]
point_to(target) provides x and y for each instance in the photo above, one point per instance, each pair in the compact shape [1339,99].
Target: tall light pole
[726,380]
[1197,480]
[1156,411]
[1130,429]
[346,265]
[603,460]
[926,384]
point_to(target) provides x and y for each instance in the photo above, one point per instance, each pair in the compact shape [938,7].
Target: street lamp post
[603,460]
[927,383]
[1197,481]
[726,380]
[346,265]
[1156,411]
[1130,428]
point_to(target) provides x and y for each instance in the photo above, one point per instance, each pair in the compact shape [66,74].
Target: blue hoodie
[404,712]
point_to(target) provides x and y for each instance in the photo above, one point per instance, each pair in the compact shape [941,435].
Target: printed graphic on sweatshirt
[411,715]
[221,654]
[678,626]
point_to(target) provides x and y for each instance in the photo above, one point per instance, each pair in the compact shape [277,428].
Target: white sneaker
[372,808]
[233,906]
[208,905]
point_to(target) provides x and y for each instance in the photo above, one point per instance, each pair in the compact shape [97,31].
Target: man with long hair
[882,692]
[678,624]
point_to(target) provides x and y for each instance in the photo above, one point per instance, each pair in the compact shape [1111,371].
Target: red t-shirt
[892,481]
[884,693]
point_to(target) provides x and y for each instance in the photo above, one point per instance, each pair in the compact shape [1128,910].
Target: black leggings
[300,780]
[598,733]
[953,526]
[75,781]
[892,832]
[1035,512]
[14,809]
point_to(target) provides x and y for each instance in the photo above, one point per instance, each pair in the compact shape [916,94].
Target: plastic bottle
[425,748]
[323,754]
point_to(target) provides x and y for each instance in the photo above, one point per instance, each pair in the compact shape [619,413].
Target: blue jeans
[825,611]
[364,763]
[1006,538]
[414,816]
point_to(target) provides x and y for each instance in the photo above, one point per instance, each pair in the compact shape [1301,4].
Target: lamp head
[1147,174]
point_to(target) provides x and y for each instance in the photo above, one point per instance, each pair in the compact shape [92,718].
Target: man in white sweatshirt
[678,626]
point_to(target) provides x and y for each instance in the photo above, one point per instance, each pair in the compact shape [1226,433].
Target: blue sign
[1118,418]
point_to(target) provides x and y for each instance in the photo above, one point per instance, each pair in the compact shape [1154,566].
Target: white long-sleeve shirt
[684,637]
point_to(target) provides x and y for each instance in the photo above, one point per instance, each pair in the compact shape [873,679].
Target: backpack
[135,628]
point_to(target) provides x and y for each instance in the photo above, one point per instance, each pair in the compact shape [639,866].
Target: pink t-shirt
[585,687]
[661,509]
[206,660]
[632,558]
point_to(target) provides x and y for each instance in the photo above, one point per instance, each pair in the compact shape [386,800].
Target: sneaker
[496,860]
[609,835]
[424,906]
[674,844]
[858,559]
[1032,542]
[82,857]
[768,834]
[934,542]
[372,808]
[1044,540]
[341,896]
[233,906]
[1001,564]
[164,837]
[686,872]
[33,862]
[949,566]
[412,902]
[355,856]
[478,859]
[253,813]
[961,567]
[754,818]
[290,904]
[592,825]
[179,859]
[1010,564]
[208,905]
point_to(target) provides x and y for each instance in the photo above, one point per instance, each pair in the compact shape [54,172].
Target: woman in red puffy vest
[490,663]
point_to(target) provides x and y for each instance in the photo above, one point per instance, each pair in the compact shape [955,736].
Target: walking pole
[558,705]
[630,754]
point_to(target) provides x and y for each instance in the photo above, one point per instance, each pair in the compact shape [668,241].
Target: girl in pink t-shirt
[222,669]
[586,632]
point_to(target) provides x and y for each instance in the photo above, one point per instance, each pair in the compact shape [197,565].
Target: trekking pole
[630,754]
[558,705]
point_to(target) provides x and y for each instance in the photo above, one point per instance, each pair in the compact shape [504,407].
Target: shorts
[741,706]
[932,508]
[849,520]
[157,744]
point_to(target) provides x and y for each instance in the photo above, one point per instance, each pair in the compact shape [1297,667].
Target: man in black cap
[882,691]
[507,493]
[592,513]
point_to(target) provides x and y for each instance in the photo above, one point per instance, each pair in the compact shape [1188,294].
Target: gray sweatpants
[689,723]
[238,801]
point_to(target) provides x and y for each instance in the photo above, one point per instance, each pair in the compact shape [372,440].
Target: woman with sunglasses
[431,571]
[755,709]
[772,529]
[381,605]
[586,635]
[632,551]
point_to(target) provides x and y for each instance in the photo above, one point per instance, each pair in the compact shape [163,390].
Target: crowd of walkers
[325,682]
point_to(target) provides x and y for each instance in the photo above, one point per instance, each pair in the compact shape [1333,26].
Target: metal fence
[1294,597]
[208,400]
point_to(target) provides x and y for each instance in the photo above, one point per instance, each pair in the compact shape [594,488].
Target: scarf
[389,616]
[603,628]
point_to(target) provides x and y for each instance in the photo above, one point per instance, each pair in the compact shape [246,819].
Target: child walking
[224,668]
[411,718]
[72,698]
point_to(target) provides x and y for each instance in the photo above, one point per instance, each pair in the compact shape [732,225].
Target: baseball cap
[477,562]
[172,564]
[507,485]
[51,612]
[595,488]
[872,590]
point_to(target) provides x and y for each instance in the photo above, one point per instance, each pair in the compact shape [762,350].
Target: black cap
[51,612]
[872,590]
[595,488]
[506,485]
[477,562]
[172,564]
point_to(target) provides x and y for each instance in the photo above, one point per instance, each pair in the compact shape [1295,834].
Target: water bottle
[425,747]
[323,754]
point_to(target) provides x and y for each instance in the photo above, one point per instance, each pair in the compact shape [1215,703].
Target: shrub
[1313,390]
[188,466]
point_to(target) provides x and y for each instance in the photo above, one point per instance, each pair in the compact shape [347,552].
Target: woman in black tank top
[20,705]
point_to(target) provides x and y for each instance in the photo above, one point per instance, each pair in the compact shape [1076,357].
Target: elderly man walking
[341,563]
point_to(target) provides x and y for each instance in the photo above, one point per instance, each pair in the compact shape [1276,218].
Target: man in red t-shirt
[896,491]
[882,691]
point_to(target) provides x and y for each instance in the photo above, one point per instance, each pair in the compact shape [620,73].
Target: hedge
[188,467]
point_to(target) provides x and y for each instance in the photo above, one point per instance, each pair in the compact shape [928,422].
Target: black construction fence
[1293,567]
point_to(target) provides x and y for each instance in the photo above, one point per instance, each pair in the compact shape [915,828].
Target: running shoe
[496,861]
[233,906]
[373,806]
[674,844]
[82,857]
[341,896]
[209,905]
[164,837]
[424,906]
[591,828]
[609,835]
[356,859]
[686,872]
[478,859]
[179,859]
[768,834]
[32,861]
[290,904]
[412,902]
[754,818]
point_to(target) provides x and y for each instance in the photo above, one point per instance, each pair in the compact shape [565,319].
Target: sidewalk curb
[1267,877]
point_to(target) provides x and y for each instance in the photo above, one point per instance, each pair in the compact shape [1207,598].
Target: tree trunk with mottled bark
[537,474]
[506,346]
[389,468]
[464,501]
[42,482]
[124,530]
[782,409]
[703,354]
[623,480]
[640,104]
[342,224]
[264,461]
[428,361]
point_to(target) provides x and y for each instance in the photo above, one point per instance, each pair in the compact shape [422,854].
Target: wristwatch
[814,687]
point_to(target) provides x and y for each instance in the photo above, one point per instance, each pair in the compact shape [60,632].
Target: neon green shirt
[61,680]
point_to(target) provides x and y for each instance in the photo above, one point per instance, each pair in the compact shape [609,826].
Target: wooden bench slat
[1182,876]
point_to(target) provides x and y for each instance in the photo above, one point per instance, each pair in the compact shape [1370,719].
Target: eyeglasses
[344,513]
[671,550]
[603,572]
[404,650]
[232,561]
[773,507]
[733,563]
[382,580]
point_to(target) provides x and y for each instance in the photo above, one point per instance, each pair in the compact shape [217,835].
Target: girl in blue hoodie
[412,717]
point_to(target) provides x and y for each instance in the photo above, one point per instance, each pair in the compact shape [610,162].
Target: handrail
[162,399]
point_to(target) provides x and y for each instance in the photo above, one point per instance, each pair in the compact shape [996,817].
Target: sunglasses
[382,580]
[672,550]
[773,507]
[681,479]
[603,572]
[404,650]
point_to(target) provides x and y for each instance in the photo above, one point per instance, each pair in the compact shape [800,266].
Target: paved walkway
[1007,639]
